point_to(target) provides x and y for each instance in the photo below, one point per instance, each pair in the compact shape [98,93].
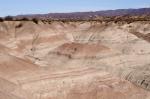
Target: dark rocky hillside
[108,13]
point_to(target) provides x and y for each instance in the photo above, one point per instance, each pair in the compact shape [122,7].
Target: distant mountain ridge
[119,12]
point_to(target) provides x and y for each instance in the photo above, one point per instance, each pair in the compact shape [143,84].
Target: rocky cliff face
[74,60]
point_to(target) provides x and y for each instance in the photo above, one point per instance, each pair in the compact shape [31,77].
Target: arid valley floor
[74,60]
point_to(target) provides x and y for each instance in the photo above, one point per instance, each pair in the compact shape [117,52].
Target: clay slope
[74,60]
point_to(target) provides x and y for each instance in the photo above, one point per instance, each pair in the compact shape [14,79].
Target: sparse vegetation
[107,19]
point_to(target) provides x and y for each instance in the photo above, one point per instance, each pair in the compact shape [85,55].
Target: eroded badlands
[74,60]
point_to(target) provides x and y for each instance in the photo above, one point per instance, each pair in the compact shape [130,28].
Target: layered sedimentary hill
[74,60]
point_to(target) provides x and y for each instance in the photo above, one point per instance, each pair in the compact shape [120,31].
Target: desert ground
[74,60]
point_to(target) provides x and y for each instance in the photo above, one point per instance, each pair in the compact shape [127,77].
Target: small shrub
[35,20]
[25,19]
[19,25]
[1,19]
[8,18]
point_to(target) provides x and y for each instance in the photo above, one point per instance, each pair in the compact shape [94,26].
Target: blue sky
[15,7]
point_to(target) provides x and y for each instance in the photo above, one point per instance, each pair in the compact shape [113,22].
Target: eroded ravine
[88,60]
